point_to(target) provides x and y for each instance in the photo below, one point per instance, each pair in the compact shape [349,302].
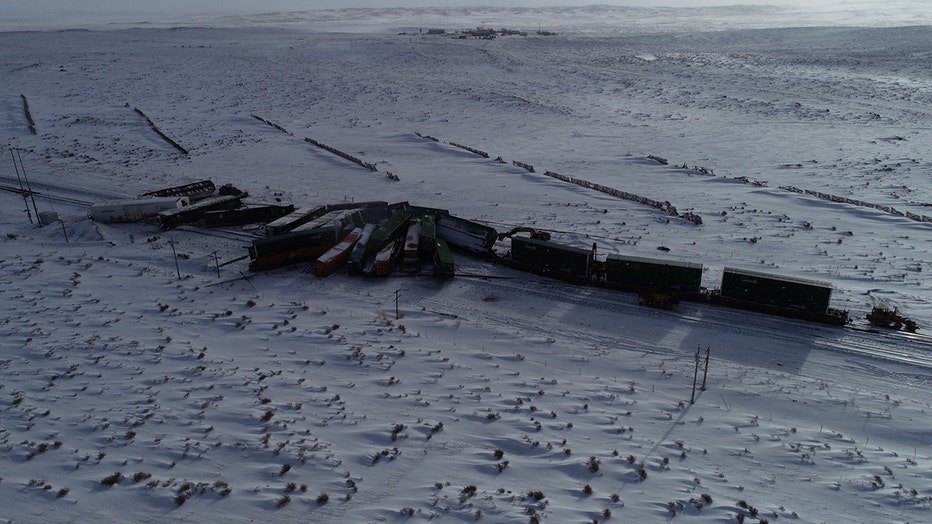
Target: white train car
[134,210]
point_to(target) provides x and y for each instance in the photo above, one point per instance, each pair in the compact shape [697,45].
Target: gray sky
[53,8]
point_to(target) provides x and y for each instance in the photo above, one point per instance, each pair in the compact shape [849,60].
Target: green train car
[775,291]
[640,273]
[443,259]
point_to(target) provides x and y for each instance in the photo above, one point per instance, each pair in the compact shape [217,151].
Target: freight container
[357,258]
[246,215]
[411,254]
[329,262]
[384,259]
[466,234]
[290,248]
[172,218]
[551,258]
[389,230]
[640,273]
[740,285]
[443,259]
[428,235]
[294,219]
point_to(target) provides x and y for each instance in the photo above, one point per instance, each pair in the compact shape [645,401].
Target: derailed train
[370,238]
[376,237]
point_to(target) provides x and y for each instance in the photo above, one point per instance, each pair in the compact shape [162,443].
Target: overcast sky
[185,7]
[61,14]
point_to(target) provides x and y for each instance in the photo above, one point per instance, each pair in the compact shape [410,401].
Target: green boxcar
[640,273]
[428,236]
[443,259]
[776,291]
[392,228]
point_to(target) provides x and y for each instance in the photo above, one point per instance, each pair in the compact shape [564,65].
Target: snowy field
[128,394]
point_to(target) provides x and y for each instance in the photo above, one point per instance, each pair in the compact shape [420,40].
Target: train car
[411,260]
[134,210]
[553,259]
[642,274]
[329,262]
[294,219]
[373,213]
[331,219]
[428,236]
[246,215]
[385,259]
[741,287]
[355,262]
[465,234]
[389,230]
[458,232]
[289,248]
[173,218]
[194,191]
[443,259]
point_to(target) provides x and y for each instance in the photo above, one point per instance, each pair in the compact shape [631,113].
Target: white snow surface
[128,394]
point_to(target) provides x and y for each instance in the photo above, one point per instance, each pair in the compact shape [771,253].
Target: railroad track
[46,196]
[897,347]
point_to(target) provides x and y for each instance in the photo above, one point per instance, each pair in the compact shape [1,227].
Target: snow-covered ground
[128,394]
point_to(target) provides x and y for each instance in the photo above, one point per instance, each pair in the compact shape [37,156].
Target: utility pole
[21,188]
[692,398]
[705,373]
[175,255]
[31,195]
[217,262]
[397,313]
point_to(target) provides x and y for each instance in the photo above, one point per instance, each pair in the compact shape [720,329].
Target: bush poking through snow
[112,480]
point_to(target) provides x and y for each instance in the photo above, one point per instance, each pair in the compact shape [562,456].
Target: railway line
[880,345]
[45,196]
